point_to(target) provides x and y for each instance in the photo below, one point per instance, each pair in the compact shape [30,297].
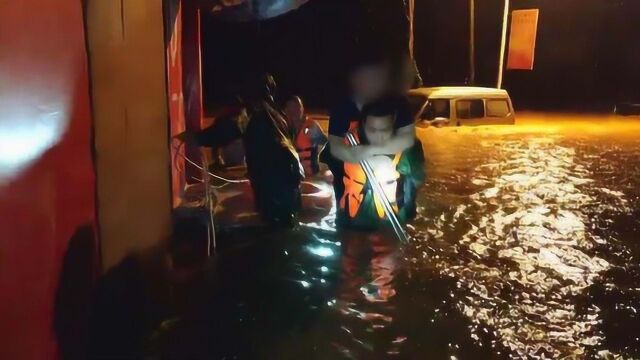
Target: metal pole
[503,43]
[472,42]
[411,9]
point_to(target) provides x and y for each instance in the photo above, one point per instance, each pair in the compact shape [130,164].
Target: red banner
[522,41]
[176,99]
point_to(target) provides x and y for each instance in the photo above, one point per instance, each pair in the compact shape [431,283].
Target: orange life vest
[355,179]
[304,146]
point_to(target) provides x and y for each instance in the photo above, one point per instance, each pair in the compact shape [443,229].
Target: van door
[469,112]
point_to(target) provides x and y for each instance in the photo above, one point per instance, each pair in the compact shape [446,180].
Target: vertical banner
[192,81]
[176,97]
[522,41]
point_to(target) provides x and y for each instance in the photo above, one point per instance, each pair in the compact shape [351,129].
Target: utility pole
[410,6]
[503,43]
[472,42]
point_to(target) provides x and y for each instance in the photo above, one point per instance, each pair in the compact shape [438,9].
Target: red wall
[46,172]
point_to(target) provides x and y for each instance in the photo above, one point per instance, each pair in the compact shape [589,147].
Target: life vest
[355,180]
[305,147]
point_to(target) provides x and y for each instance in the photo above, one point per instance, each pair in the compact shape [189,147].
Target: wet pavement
[525,246]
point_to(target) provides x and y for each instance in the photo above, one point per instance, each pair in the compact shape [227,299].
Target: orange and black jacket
[360,208]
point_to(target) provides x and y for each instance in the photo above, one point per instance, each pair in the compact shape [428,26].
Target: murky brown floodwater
[526,246]
[537,223]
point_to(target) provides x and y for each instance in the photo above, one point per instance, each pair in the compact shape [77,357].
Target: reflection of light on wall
[25,138]
[36,97]
[321,251]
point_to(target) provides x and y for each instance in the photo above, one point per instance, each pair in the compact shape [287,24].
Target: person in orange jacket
[306,134]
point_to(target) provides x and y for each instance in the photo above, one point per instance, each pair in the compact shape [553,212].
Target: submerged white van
[461,105]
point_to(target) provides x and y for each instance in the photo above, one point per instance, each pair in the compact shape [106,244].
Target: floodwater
[525,246]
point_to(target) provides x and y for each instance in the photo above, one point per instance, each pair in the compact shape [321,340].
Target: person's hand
[182,137]
[185,136]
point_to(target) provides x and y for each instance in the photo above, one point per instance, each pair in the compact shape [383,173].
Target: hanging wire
[213,186]
[178,153]
[211,246]
[206,181]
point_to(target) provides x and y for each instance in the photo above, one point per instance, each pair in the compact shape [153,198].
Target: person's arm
[405,135]
[403,139]
[221,133]
[185,137]
[318,137]
[412,168]
[338,127]
[347,153]
[190,137]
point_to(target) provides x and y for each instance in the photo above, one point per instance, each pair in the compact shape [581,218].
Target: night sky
[587,55]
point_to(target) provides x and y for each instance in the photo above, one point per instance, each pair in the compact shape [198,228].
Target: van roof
[459,92]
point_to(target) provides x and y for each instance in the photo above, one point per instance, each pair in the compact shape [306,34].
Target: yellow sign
[522,41]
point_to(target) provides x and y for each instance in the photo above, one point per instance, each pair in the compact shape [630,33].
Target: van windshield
[416,102]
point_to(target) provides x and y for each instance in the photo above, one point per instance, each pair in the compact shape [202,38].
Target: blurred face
[370,82]
[294,110]
[378,129]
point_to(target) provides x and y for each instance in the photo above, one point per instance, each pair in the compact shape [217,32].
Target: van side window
[470,109]
[436,108]
[497,108]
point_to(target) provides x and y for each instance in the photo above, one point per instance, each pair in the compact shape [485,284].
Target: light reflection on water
[512,220]
[525,247]
[514,215]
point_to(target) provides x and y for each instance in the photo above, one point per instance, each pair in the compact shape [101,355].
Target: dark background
[587,54]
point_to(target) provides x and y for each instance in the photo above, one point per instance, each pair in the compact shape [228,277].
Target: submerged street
[320,180]
[524,247]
